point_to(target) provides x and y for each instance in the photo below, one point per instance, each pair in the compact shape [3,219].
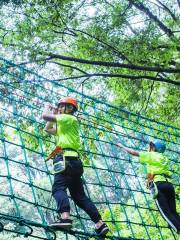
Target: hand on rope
[49,113]
[128,150]
[50,109]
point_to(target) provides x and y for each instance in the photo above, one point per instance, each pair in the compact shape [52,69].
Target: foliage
[123,32]
[148,217]
[139,33]
[16,2]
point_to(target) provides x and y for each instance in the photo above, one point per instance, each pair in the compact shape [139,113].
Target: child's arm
[47,115]
[50,128]
[50,118]
[128,150]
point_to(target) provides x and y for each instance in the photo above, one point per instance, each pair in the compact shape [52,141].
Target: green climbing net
[114,181]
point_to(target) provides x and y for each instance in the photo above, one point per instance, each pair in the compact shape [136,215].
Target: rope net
[113,179]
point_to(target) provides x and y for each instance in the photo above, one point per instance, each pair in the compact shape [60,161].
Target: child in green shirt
[158,180]
[68,167]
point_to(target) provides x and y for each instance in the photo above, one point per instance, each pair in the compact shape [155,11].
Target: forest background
[122,52]
[128,49]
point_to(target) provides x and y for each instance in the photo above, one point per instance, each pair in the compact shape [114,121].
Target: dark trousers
[166,204]
[71,179]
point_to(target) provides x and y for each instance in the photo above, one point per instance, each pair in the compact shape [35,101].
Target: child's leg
[162,201]
[172,203]
[60,194]
[63,207]
[78,195]
[75,185]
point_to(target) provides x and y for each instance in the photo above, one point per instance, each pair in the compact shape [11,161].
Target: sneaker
[64,224]
[102,230]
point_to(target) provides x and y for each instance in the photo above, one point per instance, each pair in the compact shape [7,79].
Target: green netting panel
[114,181]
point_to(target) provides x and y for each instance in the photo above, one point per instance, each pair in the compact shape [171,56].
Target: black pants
[71,179]
[167,205]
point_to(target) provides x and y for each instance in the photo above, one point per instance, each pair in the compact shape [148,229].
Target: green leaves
[115,31]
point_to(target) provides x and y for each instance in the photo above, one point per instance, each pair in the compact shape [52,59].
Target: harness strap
[150,178]
[56,151]
[65,152]
[68,153]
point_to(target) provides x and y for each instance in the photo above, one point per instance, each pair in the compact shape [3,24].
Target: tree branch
[151,90]
[63,33]
[158,79]
[113,64]
[168,10]
[64,65]
[178,3]
[144,9]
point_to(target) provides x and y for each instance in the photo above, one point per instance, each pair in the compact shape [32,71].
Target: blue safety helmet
[159,146]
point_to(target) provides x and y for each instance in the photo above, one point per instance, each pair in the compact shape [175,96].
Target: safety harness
[67,152]
[59,158]
[152,177]
[151,185]
[57,150]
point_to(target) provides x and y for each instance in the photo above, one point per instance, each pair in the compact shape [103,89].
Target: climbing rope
[112,179]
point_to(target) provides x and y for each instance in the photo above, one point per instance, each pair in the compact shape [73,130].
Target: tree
[130,45]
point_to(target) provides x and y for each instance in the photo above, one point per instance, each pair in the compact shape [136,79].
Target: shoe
[64,224]
[102,230]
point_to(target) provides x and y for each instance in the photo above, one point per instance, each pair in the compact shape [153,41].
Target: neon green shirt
[155,163]
[67,131]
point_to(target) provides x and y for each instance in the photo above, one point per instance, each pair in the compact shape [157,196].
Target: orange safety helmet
[69,100]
